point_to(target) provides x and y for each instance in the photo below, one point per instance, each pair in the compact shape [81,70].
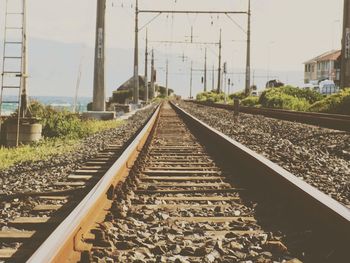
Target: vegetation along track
[187,193]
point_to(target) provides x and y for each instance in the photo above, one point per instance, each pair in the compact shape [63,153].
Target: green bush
[57,123]
[162,91]
[276,98]
[310,96]
[211,97]
[288,97]
[337,103]
[250,101]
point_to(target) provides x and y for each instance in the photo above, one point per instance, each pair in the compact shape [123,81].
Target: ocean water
[60,103]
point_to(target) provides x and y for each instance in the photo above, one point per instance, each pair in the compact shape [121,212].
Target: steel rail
[191,12]
[325,211]
[67,241]
[331,121]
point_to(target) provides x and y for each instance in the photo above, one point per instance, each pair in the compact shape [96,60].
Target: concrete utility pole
[136,56]
[247,73]
[24,76]
[153,92]
[205,71]
[219,68]
[345,56]
[167,79]
[99,96]
[146,68]
[191,79]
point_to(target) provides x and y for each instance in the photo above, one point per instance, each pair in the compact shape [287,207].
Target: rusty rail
[67,241]
[331,121]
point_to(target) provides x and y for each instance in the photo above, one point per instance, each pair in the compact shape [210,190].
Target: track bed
[184,206]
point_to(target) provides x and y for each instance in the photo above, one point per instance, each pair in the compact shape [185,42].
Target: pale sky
[285,33]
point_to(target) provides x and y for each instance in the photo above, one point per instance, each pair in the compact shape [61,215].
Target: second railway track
[327,120]
[186,193]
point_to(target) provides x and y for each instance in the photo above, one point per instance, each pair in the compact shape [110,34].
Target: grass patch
[53,146]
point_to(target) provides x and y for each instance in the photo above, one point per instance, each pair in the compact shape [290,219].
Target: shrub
[337,103]
[211,97]
[238,95]
[57,123]
[289,97]
[162,91]
[250,101]
[276,98]
[309,95]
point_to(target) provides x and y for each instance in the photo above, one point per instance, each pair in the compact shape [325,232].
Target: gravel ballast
[317,155]
[40,176]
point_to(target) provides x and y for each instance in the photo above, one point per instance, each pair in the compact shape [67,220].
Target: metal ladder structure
[14,63]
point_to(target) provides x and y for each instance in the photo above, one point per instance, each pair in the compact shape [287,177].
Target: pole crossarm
[184,42]
[202,70]
[192,12]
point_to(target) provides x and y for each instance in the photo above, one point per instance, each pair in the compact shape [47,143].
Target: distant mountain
[53,70]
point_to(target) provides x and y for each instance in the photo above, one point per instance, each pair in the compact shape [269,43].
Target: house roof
[130,83]
[328,56]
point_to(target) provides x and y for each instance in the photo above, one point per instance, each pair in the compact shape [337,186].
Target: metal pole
[24,75]
[136,56]
[99,95]
[219,68]
[345,57]
[191,34]
[146,68]
[213,78]
[225,87]
[191,80]
[205,71]
[247,74]
[167,79]
[77,86]
[224,80]
[153,92]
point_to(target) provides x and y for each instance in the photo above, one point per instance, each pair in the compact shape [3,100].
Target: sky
[285,33]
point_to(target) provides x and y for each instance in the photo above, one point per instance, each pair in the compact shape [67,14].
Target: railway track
[43,211]
[331,121]
[182,192]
